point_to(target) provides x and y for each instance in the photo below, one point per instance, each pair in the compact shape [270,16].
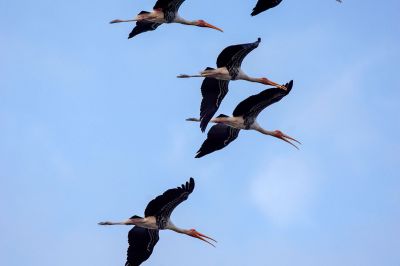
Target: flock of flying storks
[145,234]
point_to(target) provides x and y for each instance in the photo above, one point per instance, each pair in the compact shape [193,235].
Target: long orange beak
[269,82]
[212,26]
[288,139]
[204,238]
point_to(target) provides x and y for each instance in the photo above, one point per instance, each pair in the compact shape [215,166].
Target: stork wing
[252,106]
[141,244]
[263,5]
[219,136]
[213,92]
[164,204]
[168,5]
[232,56]
[143,26]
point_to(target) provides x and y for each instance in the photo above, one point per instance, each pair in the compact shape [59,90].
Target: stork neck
[177,229]
[248,78]
[181,20]
[263,131]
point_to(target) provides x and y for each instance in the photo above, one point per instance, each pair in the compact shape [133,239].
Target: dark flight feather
[263,5]
[141,244]
[169,8]
[219,136]
[167,5]
[164,204]
[253,105]
[143,26]
[213,92]
[232,56]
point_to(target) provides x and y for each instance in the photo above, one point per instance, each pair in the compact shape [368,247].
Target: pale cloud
[284,189]
[333,121]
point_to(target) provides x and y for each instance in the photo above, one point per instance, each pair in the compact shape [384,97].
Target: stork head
[266,81]
[280,135]
[195,234]
[203,24]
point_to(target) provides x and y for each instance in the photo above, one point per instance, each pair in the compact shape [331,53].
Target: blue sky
[92,128]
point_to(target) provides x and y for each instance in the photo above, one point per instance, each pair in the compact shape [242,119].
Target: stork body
[144,236]
[244,117]
[164,11]
[215,85]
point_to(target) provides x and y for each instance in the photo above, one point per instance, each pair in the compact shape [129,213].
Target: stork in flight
[244,116]
[164,11]
[215,85]
[263,5]
[144,235]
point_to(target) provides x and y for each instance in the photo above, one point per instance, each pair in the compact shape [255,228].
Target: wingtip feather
[198,155]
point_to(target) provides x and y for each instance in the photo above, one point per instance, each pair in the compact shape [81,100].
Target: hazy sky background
[92,128]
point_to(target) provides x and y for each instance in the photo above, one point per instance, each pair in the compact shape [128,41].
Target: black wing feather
[168,5]
[219,136]
[252,106]
[141,244]
[232,56]
[143,26]
[213,92]
[263,5]
[164,204]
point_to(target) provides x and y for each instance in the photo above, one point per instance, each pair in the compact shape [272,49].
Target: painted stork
[144,235]
[244,116]
[164,11]
[215,85]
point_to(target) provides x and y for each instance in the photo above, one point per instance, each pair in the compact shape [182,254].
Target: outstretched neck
[244,76]
[264,131]
[181,20]
[174,228]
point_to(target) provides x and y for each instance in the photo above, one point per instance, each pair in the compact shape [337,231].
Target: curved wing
[232,56]
[252,106]
[141,244]
[263,5]
[143,26]
[219,136]
[164,204]
[213,92]
[168,5]
[169,8]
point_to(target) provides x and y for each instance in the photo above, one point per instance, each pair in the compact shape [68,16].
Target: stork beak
[271,83]
[203,237]
[205,24]
[287,139]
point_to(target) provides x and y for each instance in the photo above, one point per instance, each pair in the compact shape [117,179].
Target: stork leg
[122,20]
[192,119]
[215,120]
[127,222]
[189,76]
